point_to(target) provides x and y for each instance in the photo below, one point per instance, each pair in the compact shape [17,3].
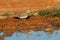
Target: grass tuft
[44,12]
[56,11]
[5,14]
[53,12]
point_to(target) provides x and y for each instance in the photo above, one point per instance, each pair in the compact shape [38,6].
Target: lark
[25,14]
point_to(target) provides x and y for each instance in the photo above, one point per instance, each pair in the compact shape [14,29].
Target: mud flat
[1,37]
[11,25]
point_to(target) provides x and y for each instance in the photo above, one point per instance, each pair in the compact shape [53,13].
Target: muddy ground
[35,23]
[12,6]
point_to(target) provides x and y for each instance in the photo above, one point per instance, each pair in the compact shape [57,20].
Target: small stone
[48,30]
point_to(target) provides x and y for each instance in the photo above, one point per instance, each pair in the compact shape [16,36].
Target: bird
[23,15]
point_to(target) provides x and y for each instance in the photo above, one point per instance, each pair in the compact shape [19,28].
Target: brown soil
[35,23]
[12,6]
[1,37]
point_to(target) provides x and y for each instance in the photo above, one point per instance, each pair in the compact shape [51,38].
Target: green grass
[54,11]
[44,12]
[5,14]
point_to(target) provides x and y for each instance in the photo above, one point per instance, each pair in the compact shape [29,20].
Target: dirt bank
[35,23]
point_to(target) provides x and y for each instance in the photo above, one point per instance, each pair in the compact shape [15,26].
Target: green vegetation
[44,12]
[49,12]
[53,11]
[56,11]
[32,13]
[5,14]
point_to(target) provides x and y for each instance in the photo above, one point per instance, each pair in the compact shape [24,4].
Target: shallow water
[40,35]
